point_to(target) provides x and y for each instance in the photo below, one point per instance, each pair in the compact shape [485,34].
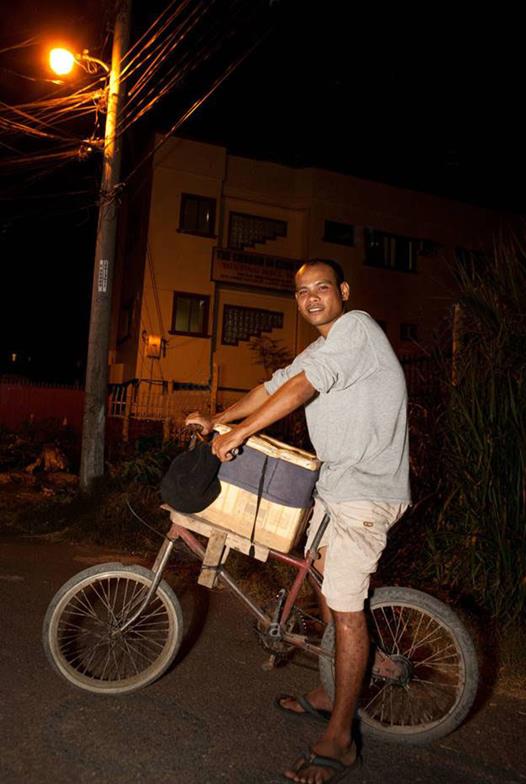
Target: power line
[29,42]
[182,119]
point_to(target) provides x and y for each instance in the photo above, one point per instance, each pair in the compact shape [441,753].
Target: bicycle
[114,629]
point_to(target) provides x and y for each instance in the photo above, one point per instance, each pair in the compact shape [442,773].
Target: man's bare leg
[351,655]
[317,696]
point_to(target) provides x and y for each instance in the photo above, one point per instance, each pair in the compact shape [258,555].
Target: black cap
[191,483]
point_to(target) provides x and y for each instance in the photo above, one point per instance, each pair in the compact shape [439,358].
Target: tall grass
[478,542]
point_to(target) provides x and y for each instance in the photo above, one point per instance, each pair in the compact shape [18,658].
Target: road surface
[210,719]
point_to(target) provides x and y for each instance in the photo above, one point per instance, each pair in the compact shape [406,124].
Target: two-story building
[210,244]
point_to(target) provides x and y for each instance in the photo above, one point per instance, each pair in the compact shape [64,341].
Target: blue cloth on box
[285,483]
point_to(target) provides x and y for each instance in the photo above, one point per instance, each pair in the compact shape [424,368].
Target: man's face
[320,299]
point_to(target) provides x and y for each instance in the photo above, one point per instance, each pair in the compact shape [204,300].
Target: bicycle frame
[384,666]
[303,566]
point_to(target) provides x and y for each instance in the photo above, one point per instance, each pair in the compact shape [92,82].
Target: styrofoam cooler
[283,478]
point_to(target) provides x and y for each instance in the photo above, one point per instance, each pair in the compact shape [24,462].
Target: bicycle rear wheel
[82,634]
[439,666]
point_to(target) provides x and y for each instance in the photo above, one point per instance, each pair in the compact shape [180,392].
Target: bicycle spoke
[405,627]
[428,640]
[435,657]
[416,634]
[385,686]
[435,685]
[131,659]
[139,651]
[389,627]
[134,602]
[148,638]
[84,607]
[398,620]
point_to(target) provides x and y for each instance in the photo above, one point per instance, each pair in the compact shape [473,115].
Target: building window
[408,332]
[339,233]
[390,251]
[240,323]
[190,314]
[198,215]
[246,230]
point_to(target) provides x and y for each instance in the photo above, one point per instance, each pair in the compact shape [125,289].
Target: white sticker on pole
[104,265]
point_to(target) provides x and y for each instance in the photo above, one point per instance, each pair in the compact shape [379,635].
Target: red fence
[21,402]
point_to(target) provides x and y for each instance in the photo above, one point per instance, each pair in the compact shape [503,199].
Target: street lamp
[62,61]
[95,394]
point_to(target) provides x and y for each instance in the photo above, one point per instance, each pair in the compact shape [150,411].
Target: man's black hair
[335,267]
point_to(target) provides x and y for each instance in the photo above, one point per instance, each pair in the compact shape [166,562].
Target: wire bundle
[192,44]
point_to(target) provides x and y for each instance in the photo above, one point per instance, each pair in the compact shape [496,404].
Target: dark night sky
[429,102]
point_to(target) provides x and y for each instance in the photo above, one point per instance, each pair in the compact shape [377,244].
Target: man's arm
[248,404]
[290,396]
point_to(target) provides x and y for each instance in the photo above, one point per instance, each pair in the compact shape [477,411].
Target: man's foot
[329,767]
[315,705]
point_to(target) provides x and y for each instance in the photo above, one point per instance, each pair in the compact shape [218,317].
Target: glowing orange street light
[61,61]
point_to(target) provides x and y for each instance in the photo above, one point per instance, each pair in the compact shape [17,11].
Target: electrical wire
[29,78]
[50,111]
[29,42]
[193,108]
[155,289]
[197,53]
[166,44]
[177,44]
[149,79]
[138,48]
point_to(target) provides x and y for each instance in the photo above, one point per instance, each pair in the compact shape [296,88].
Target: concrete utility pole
[94,423]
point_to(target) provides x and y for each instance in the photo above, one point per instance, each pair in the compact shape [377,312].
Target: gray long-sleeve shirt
[358,421]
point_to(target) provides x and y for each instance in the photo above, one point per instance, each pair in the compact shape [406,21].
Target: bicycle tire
[81,636]
[441,665]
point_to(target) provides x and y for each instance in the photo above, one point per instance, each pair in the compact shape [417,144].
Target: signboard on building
[254,269]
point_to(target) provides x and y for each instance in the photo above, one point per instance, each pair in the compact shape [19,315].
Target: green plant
[270,354]
[477,544]
[146,467]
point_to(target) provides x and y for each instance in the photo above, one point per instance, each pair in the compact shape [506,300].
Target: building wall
[304,199]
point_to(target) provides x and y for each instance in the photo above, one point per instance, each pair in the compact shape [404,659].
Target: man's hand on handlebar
[203,422]
[225,446]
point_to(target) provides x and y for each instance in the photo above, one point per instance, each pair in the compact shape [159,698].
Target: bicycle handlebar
[196,433]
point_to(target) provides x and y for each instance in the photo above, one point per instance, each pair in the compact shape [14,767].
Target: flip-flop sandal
[309,711]
[319,761]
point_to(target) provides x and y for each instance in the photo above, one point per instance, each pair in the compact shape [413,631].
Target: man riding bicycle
[354,393]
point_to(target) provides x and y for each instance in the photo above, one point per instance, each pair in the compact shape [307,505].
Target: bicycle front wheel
[82,629]
[439,665]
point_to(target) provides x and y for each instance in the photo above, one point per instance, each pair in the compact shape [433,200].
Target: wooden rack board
[220,542]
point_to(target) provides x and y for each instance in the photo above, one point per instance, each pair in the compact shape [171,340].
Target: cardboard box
[266,492]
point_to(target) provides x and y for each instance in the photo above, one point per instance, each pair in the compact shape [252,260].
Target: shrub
[477,542]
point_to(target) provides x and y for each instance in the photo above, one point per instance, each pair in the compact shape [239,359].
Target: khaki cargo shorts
[355,539]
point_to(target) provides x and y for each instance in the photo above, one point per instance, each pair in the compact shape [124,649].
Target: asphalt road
[210,719]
